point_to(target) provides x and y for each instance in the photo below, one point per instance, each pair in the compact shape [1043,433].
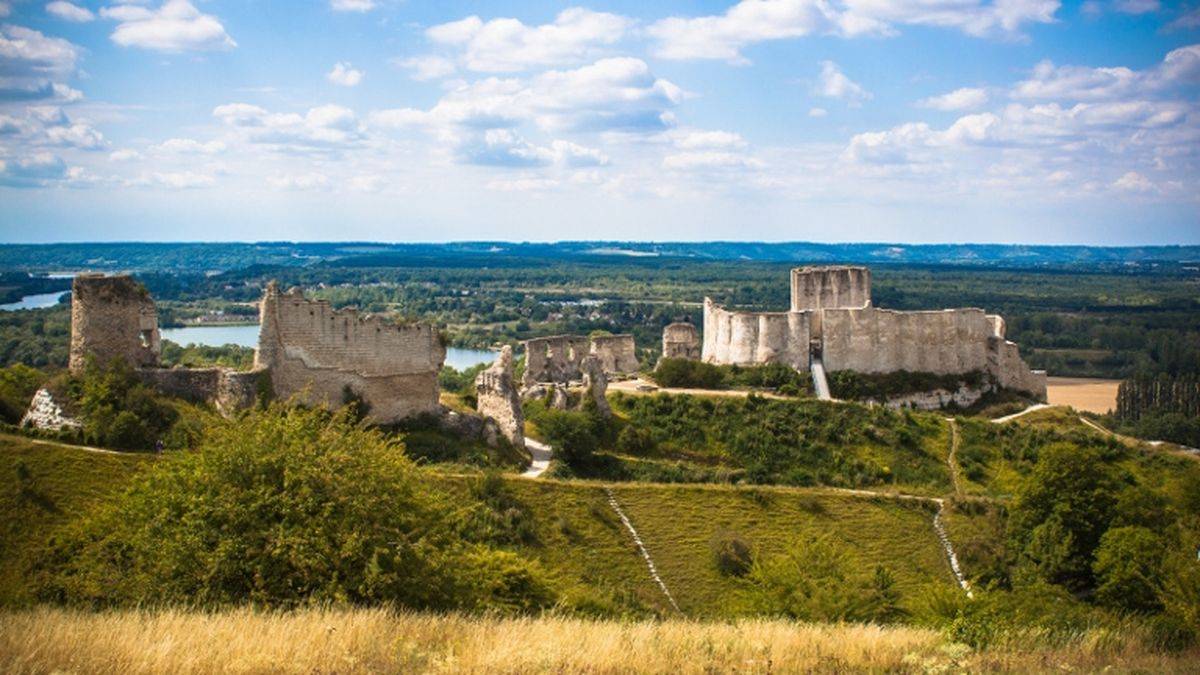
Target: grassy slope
[63,482]
[580,541]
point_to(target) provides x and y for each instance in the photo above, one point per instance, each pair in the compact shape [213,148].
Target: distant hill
[214,257]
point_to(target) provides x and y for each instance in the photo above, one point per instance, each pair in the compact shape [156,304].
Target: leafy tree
[574,435]
[1061,511]
[1129,569]
[283,507]
[18,382]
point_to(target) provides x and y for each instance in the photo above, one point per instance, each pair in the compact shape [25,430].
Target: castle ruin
[326,356]
[832,319]
[681,341]
[112,318]
[559,358]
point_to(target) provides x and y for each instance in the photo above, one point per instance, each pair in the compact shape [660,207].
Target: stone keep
[322,354]
[831,316]
[112,318]
[681,341]
[496,397]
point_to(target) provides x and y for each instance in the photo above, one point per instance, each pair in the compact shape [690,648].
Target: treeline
[1164,394]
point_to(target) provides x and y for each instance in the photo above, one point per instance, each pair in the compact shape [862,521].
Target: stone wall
[681,341]
[617,353]
[225,388]
[112,318]
[830,287]
[746,338]
[554,359]
[871,340]
[320,353]
[45,413]
[1011,371]
[496,397]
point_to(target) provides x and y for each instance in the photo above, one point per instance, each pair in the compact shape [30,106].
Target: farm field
[1085,394]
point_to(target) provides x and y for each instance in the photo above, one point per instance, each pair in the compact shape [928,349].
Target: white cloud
[27,53]
[817,112]
[180,180]
[1180,67]
[689,161]
[1187,20]
[124,155]
[523,184]
[704,140]
[299,181]
[751,21]
[507,45]
[176,26]
[966,98]
[327,128]
[70,12]
[189,146]
[615,94]
[352,5]
[1133,181]
[833,83]
[33,170]
[344,75]
[427,67]
[51,126]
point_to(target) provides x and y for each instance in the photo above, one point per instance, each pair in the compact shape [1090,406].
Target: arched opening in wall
[146,337]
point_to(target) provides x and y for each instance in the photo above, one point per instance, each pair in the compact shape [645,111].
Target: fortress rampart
[313,350]
[832,317]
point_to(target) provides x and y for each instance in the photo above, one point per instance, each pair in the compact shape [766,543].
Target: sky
[1011,121]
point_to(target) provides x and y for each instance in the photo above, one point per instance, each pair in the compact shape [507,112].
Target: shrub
[1128,568]
[732,554]
[689,374]
[574,435]
[635,441]
[819,580]
[18,382]
[283,507]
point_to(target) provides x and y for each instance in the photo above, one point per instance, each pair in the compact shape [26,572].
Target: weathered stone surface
[320,353]
[936,399]
[112,318]
[830,287]
[497,398]
[45,413]
[832,312]
[747,338]
[554,359]
[225,388]
[617,353]
[595,385]
[681,341]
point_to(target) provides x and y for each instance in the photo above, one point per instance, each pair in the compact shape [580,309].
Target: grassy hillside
[572,530]
[43,485]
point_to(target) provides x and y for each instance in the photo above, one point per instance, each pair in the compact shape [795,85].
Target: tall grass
[373,640]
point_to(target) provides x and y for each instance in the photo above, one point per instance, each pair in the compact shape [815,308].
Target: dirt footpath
[1083,393]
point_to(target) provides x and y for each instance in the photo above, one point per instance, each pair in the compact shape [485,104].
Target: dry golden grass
[377,640]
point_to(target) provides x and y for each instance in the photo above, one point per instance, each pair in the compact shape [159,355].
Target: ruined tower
[112,318]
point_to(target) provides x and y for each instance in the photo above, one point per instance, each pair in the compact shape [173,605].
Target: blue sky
[826,120]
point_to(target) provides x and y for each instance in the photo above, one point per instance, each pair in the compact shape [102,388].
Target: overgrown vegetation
[283,507]
[775,377]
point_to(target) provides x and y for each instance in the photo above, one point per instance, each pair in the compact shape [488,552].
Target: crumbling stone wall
[496,397]
[681,341]
[1011,371]
[617,353]
[554,359]
[746,338]
[112,318]
[830,287]
[225,388]
[319,353]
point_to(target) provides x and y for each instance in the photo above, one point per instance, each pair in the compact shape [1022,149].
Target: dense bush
[819,580]
[852,385]
[283,507]
[574,435]
[117,409]
[732,554]
[688,374]
[17,385]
